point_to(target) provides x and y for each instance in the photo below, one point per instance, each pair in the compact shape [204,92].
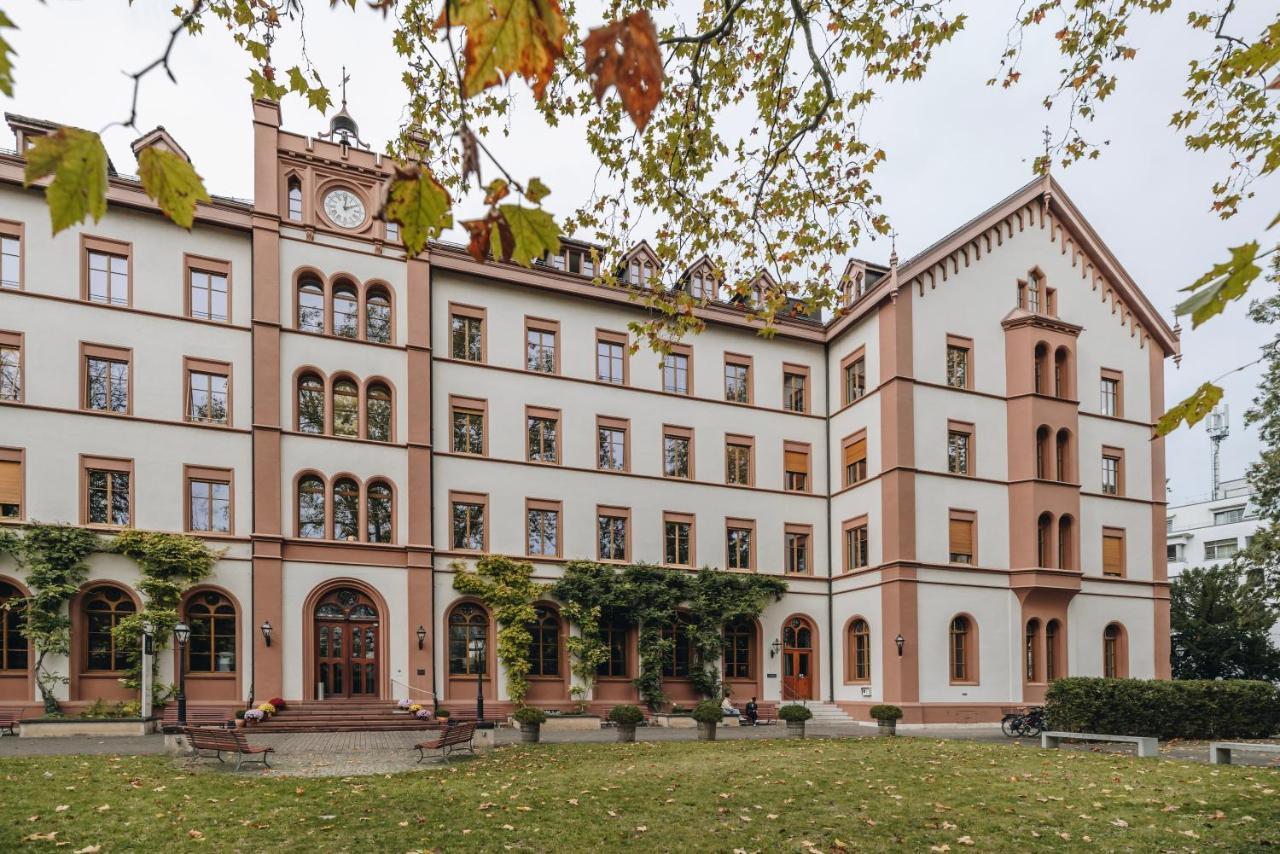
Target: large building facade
[956,476]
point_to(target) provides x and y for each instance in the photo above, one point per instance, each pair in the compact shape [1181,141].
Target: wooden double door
[347,646]
[797,660]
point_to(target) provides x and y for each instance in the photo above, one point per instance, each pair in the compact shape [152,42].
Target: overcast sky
[955,146]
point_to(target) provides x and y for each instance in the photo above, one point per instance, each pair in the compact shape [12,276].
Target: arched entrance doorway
[799,659]
[347,645]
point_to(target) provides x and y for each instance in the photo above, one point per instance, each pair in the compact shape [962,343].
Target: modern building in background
[955,475]
[1210,531]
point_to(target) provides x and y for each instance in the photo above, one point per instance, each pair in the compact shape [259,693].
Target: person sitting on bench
[753,712]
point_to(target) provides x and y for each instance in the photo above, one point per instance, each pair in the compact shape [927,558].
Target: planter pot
[889,727]
[530,733]
[626,732]
[795,729]
[706,732]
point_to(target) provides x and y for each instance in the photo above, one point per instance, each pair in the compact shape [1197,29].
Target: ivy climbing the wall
[717,599]
[507,587]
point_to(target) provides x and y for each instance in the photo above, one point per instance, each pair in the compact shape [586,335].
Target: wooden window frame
[1117,534]
[473,312]
[613,512]
[734,440]
[1112,375]
[193,364]
[209,475]
[1121,651]
[791,447]
[859,354]
[105,245]
[790,529]
[846,444]
[1116,454]
[17,341]
[971,518]
[18,456]
[608,422]
[671,431]
[470,405]
[794,369]
[547,414]
[107,464]
[672,517]
[545,326]
[687,352]
[966,344]
[845,557]
[736,524]
[619,339]
[17,231]
[740,360]
[972,674]
[966,428]
[202,264]
[109,353]
[851,676]
[481,498]
[550,506]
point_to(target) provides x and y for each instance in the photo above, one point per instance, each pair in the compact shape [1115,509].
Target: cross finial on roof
[345,78]
[893,248]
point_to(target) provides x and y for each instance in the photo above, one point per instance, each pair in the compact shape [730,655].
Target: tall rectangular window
[466,333]
[675,372]
[208,500]
[960,531]
[795,460]
[856,545]
[738,463]
[468,421]
[1113,551]
[10,366]
[677,539]
[543,430]
[1112,396]
[208,289]
[740,544]
[611,357]
[1112,471]
[469,521]
[677,452]
[10,254]
[855,378]
[959,447]
[543,528]
[108,497]
[611,532]
[737,378]
[795,388]
[959,362]
[611,444]
[106,272]
[208,398]
[106,378]
[11,483]
[855,458]
[541,354]
[796,539]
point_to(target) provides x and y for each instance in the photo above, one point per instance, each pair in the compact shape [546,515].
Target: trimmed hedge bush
[708,712]
[795,713]
[886,712]
[530,716]
[1200,709]
[626,714]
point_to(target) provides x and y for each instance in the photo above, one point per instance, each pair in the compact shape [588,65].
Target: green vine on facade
[507,588]
[715,600]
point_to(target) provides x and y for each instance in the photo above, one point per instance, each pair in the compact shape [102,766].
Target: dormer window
[640,273]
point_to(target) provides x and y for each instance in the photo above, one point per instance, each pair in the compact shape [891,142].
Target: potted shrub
[443,714]
[530,720]
[239,718]
[795,715]
[707,713]
[626,717]
[887,716]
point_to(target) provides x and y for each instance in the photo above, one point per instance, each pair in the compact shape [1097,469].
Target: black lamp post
[181,633]
[477,655]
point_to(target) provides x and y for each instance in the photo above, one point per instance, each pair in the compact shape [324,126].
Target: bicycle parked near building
[1027,722]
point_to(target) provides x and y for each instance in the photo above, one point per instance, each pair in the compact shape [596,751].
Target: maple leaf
[77,161]
[534,233]
[625,55]
[1192,410]
[1227,281]
[506,37]
[173,183]
[7,54]
[421,206]
[470,156]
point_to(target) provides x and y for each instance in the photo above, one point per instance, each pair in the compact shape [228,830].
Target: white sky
[955,146]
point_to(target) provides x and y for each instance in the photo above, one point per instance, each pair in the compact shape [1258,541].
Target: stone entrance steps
[340,716]
[827,714]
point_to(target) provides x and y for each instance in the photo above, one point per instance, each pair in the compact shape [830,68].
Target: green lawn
[906,793]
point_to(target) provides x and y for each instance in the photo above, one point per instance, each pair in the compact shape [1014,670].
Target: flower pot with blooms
[795,715]
[708,713]
[887,717]
[530,720]
[423,714]
[626,717]
[254,716]
[278,703]
[267,709]
[414,708]
[403,705]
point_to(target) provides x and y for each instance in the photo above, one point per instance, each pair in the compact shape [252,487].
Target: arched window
[1044,534]
[310,404]
[377,316]
[378,512]
[212,647]
[346,510]
[1041,367]
[295,199]
[739,649]
[614,636]
[310,304]
[346,408]
[544,652]
[311,507]
[14,647]
[962,642]
[1031,650]
[1061,373]
[1062,454]
[468,640]
[860,651]
[1051,653]
[1042,452]
[346,310]
[377,416]
[1115,654]
[104,608]
[1066,543]
[676,664]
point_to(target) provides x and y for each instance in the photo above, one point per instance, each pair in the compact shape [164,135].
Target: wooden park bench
[9,720]
[220,741]
[1148,747]
[1220,751]
[455,736]
[202,716]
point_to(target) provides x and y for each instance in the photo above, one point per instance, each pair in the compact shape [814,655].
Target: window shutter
[796,461]
[855,452]
[962,536]
[10,482]
[1112,554]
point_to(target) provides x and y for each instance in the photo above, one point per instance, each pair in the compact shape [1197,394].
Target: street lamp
[477,656]
[422,636]
[900,640]
[266,631]
[774,647]
[181,633]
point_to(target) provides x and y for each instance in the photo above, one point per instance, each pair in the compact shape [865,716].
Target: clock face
[344,208]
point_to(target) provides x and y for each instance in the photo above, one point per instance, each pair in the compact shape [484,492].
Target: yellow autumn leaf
[77,161]
[505,38]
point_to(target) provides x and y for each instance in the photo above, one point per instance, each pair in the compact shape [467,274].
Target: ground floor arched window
[104,608]
[212,645]
[14,649]
[468,640]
